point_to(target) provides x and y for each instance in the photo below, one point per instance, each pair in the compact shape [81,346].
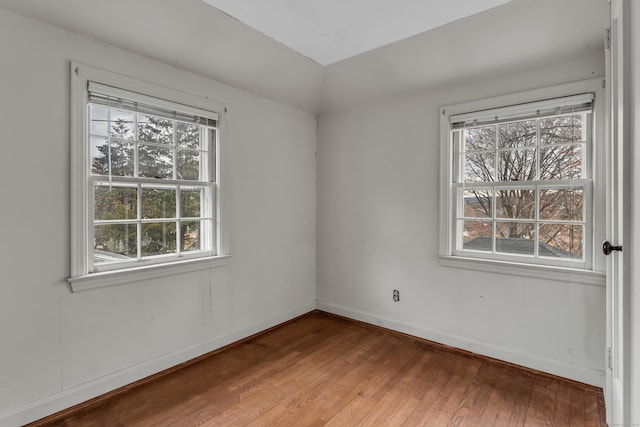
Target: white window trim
[136,274]
[81,279]
[595,275]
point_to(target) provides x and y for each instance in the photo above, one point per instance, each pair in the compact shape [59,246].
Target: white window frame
[591,271]
[83,274]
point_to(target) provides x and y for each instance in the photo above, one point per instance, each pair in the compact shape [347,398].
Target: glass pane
[561,240]
[155,162]
[114,243]
[517,165]
[188,135]
[190,236]
[479,167]
[190,203]
[115,202]
[477,236]
[517,134]
[561,162]
[517,203]
[158,203]
[562,204]
[561,129]
[515,238]
[155,129]
[98,120]
[120,152]
[478,204]
[158,238]
[188,165]
[121,124]
[477,139]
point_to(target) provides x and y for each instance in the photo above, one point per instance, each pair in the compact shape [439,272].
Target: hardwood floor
[320,370]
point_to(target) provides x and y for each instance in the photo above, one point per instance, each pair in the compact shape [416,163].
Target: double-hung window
[145,185]
[519,183]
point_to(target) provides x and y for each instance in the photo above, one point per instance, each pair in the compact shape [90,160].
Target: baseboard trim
[581,374]
[120,381]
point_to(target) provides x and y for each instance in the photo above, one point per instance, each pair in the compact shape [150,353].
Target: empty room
[292,213]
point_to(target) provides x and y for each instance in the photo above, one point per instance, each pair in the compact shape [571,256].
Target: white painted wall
[190,35]
[378,231]
[59,348]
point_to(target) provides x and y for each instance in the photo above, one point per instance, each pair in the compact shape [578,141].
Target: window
[145,183]
[518,182]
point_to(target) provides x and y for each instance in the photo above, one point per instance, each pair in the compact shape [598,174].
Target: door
[616,393]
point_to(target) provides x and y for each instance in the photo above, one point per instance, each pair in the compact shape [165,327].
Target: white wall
[59,348]
[378,231]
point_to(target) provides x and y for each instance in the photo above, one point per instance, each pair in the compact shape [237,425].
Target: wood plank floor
[321,370]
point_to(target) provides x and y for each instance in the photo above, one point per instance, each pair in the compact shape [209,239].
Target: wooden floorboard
[322,370]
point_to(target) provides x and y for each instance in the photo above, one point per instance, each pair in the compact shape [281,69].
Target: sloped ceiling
[520,35]
[192,35]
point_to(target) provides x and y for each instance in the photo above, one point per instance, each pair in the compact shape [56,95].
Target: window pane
[561,129]
[478,204]
[515,238]
[190,203]
[561,162]
[477,236]
[155,129]
[478,139]
[517,203]
[114,243]
[188,135]
[190,236]
[155,162]
[106,121]
[98,117]
[517,165]
[121,124]
[479,167]
[564,205]
[115,203]
[188,165]
[517,134]
[561,240]
[158,238]
[120,152]
[158,203]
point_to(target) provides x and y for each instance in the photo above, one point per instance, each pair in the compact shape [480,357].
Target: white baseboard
[560,368]
[72,396]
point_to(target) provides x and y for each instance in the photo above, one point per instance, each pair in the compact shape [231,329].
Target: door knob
[607,248]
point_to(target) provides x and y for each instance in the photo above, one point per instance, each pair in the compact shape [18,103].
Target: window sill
[129,275]
[562,274]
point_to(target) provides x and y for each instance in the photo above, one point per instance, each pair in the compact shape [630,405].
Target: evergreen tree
[119,202]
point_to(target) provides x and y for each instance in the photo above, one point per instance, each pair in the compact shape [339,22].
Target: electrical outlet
[396,295]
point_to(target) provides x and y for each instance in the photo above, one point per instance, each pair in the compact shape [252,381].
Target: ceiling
[196,37]
[329,31]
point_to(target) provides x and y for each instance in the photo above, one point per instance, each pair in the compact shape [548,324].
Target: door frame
[618,219]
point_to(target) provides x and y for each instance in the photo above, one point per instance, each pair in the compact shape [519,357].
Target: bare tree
[548,149]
